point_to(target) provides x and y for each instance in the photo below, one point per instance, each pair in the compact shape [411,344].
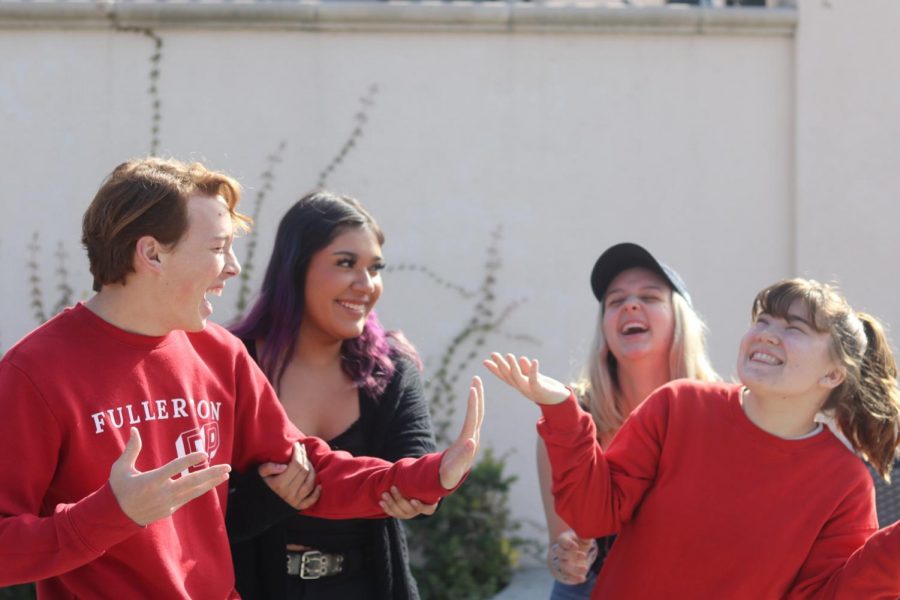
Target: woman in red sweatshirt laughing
[738,490]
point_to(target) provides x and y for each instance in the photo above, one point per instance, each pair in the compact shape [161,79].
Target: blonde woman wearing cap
[647,334]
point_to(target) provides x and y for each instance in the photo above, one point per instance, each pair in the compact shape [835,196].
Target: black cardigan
[402,429]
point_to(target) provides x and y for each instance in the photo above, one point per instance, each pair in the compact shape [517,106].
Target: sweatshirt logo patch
[200,439]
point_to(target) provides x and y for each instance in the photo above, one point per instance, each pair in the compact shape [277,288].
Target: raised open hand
[295,481]
[152,495]
[458,458]
[524,375]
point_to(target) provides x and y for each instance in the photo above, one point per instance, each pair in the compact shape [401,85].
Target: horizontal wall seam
[395,15]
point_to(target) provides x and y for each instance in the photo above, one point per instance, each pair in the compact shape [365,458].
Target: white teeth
[352,306]
[765,357]
[633,327]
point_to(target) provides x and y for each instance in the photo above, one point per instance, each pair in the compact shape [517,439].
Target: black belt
[313,564]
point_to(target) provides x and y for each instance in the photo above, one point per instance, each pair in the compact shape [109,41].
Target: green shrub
[469,548]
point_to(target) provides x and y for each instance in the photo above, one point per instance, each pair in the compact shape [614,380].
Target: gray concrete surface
[528,584]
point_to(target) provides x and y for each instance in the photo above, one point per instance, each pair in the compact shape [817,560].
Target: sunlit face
[198,264]
[638,317]
[343,283]
[786,357]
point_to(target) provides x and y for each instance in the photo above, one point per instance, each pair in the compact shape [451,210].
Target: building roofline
[400,15]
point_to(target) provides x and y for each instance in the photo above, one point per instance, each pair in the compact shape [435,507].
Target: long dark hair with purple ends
[274,319]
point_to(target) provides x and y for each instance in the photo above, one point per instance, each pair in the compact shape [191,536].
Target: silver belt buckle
[314,564]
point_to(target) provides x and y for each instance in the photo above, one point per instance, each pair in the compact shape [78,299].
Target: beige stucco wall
[848,150]
[736,150]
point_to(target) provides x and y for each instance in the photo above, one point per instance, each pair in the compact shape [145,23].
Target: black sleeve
[252,506]
[408,431]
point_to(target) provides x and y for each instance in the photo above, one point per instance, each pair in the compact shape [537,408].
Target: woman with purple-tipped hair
[340,377]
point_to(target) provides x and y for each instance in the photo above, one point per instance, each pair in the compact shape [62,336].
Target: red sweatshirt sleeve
[351,486]
[872,570]
[595,493]
[38,541]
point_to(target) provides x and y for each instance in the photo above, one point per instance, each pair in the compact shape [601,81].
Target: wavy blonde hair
[599,386]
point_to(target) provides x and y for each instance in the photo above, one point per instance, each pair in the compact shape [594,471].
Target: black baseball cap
[627,256]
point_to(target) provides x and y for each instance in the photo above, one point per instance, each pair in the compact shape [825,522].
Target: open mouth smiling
[633,328]
[765,358]
[357,307]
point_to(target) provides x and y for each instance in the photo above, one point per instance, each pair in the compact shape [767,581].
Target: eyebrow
[653,287]
[796,318]
[353,255]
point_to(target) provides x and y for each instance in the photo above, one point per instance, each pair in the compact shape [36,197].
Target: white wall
[732,153]
[848,137]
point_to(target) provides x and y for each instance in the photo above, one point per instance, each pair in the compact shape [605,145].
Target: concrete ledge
[398,15]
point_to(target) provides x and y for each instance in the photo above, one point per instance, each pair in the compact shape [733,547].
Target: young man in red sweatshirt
[123,415]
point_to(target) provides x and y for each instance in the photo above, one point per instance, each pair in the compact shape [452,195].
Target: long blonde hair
[599,384]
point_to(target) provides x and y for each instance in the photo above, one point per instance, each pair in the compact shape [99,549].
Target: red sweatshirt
[707,505]
[70,391]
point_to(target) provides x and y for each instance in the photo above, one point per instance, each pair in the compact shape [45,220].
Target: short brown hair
[147,196]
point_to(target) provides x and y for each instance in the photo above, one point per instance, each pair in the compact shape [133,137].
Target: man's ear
[147,255]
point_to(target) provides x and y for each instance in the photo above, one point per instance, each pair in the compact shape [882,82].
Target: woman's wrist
[553,562]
